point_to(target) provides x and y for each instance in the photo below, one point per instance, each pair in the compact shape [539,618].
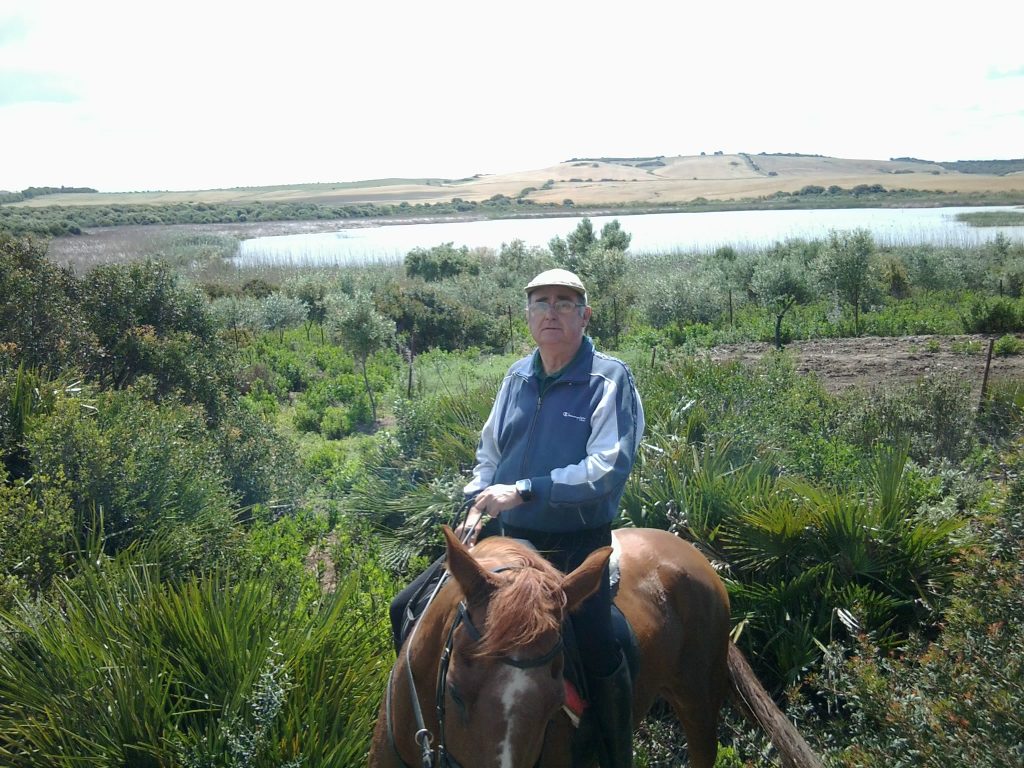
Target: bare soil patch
[887,361]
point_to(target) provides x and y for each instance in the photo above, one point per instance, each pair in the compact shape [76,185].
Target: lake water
[651,233]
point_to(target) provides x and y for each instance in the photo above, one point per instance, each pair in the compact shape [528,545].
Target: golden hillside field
[597,182]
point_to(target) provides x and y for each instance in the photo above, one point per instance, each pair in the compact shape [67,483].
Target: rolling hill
[602,181]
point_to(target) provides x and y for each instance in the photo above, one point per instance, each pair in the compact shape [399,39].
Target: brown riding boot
[612,702]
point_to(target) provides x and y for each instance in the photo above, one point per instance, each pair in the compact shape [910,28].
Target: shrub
[40,312]
[336,422]
[211,671]
[993,316]
[934,415]
[134,468]
[258,462]
[955,694]
[441,262]
[1002,413]
[152,324]
[306,418]
[1008,345]
[35,536]
[438,320]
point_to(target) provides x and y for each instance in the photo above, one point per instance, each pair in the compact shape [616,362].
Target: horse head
[504,682]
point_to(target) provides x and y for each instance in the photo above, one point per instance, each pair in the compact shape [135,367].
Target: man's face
[553,328]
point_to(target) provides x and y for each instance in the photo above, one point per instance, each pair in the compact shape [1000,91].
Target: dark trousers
[592,620]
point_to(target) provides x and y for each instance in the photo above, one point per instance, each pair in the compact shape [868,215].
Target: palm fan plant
[809,564]
[124,669]
[407,498]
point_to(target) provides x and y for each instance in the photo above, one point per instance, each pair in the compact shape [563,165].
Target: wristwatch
[525,489]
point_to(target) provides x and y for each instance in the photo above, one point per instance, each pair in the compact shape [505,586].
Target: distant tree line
[617,159]
[59,220]
[988,167]
[29,192]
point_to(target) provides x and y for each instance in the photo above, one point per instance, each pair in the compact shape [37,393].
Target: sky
[123,95]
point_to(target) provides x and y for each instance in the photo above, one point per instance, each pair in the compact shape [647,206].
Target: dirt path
[871,361]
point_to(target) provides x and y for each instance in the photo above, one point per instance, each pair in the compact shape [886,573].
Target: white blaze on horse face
[517,684]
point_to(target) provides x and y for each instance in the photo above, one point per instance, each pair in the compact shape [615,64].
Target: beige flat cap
[561,277]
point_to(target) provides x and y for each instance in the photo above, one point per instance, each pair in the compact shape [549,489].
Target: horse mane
[526,605]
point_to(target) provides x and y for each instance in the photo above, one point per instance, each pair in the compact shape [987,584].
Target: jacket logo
[573,416]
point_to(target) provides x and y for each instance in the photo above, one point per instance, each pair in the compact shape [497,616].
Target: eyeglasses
[562,307]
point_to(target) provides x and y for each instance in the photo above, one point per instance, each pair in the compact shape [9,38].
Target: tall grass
[124,669]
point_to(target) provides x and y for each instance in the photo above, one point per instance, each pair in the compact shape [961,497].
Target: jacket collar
[578,368]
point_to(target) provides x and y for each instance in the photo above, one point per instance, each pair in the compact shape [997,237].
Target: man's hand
[472,526]
[495,499]
[490,502]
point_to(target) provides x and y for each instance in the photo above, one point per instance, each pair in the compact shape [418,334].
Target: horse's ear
[584,581]
[474,580]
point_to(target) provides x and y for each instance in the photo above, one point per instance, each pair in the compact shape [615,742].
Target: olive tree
[778,282]
[602,263]
[278,312]
[311,290]
[357,325]
[234,314]
[845,267]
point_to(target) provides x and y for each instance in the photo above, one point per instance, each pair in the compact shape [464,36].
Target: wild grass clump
[218,670]
[934,415]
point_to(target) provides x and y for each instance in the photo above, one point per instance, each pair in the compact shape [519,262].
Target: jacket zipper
[533,425]
[529,442]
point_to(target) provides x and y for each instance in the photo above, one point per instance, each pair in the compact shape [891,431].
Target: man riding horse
[552,464]
[481,675]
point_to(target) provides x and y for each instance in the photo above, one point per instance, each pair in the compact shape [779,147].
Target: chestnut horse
[479,683]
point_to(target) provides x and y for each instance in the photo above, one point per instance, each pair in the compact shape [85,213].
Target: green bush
[41,319]
[766,405]
[133,468]
[35,536]
[118,297]
[435,319]
[1001,415]
[935,415]
[955,694]
[440,262]
[1007,345]
[211,671]
[306,418]
[258,462]
[336,422]
[993,316]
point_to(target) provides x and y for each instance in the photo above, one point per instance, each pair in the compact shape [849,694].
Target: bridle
[423,736]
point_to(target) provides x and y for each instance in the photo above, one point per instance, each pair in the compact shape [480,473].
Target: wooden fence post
[984,379]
